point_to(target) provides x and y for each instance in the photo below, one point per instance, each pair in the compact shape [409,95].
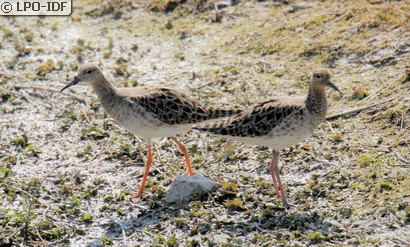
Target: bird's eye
[89,71]
[317,76]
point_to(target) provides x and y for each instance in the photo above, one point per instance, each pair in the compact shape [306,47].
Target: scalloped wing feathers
[258,121]
[172,107]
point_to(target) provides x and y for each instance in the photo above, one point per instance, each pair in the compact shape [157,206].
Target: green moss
[106,241]
[107,208]
[11,195]
[337,137]
[407,219]
[121,70]
[119,211]
[94,133]
[159,239]
[31,150]
[130,83]
[328,156]
[29,36]
[359,94]
[228,150]
[196,213]
[34,182]
[10,160]
[99,181]
[193,243]
[265,185]
[54,26]
[373,240]
[316,237]
[13,219]
[23,51]
[246,177]
[4,172]
[172,241]
[107,54]
[46,225]
[87,150]
[90,193]
[55,233]
[163,5]
[66,189]
[235,204]
[234,70]
[181,223]
[197,161]
[125,152]
[80,41]
[295,235]
[45,68]
[110,43]
[180,56]
[69,113]
[229,187]
[345,213]
[365,160]
[21,141]
[87,218]
[75,201]
[227,245]
[80,231]
[385,186]
[120,60]
[7,33]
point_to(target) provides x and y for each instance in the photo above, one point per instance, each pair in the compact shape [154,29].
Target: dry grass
[68,170]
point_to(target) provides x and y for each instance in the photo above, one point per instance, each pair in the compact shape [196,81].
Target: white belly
[286,135]
[149,129]
[275,142]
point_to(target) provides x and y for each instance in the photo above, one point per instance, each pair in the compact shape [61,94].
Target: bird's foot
[136,196]
[287,205]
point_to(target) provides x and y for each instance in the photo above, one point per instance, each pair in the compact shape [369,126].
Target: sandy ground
[68,171]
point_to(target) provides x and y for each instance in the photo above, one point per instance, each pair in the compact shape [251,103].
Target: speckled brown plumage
[278,123]
[258,121]
[172,107]
[149,112]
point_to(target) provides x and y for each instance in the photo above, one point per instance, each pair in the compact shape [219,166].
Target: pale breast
[290,131]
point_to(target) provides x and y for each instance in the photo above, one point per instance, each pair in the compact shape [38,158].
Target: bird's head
[321,79]
[86,73]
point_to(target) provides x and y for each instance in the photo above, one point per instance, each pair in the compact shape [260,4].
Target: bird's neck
[316,100]
[103,88]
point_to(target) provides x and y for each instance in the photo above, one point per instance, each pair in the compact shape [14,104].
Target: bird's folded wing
[257,121]
[172,107]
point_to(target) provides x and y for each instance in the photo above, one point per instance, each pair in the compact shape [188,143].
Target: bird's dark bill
[332,85]
[74,82]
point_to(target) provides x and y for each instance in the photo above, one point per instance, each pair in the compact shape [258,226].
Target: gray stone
[221,238]
[296,7]
[185,188]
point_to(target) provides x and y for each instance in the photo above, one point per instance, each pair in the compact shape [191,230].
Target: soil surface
[68,171]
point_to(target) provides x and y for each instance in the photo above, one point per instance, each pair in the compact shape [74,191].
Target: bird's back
[276,123]
[172,107]
[152,112]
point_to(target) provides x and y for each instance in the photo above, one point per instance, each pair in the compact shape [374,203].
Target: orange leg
[185,152]
[275,182]
[274,170]
[147,167]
